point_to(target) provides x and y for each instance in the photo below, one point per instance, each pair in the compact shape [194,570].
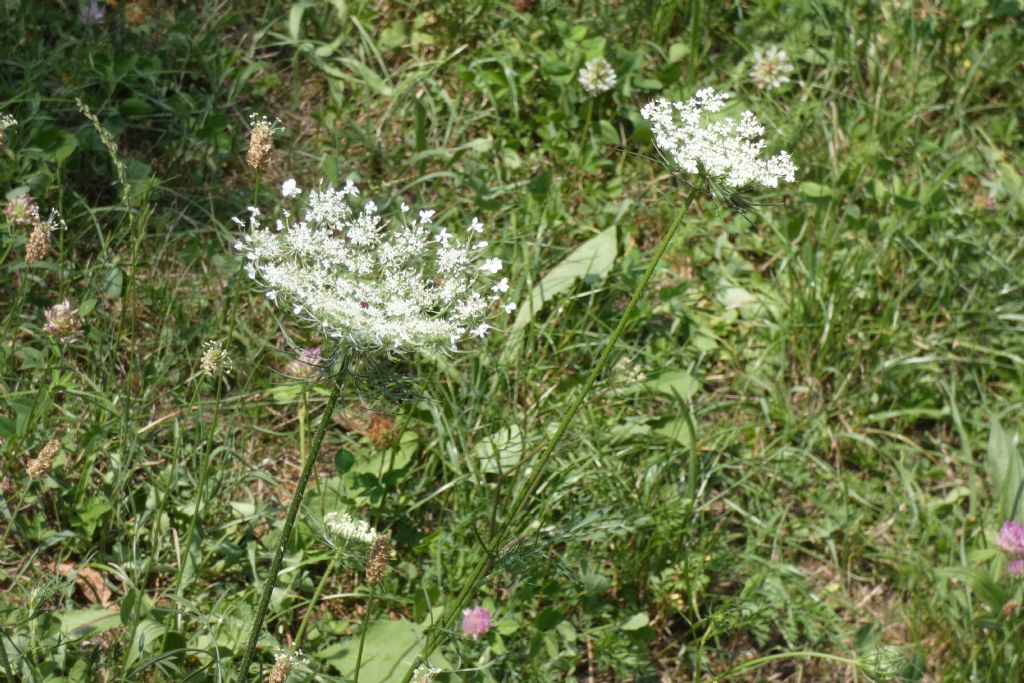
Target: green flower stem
[362,632]
[293,512]
[534,481]
[753,663]
[312,601]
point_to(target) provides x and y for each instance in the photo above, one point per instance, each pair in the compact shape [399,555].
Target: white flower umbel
[343,529]
[722,147]
[597,76]
[373,285]
[771,68]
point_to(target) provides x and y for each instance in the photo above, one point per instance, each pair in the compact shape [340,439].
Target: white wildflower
[425,673]
[6,121]
[771,68]
[722,147]
[215,360]
[290,188]
[371,284]
[510,306]
[343,528]
[597,76]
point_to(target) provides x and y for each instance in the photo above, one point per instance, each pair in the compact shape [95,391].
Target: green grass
[850,348]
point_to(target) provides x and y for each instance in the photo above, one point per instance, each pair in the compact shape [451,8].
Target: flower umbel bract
[723,148]
[370,284]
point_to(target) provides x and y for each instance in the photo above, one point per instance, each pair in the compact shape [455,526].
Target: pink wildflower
[1011,538]
[476,621]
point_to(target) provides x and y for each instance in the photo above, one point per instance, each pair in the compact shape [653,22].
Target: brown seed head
[282,668]
[42,463]
[261,144]
[38,243]
[377,563]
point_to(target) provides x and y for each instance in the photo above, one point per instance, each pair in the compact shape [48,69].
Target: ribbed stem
[289,523]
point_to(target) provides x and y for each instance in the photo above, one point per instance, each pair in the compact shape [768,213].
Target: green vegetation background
[851,347]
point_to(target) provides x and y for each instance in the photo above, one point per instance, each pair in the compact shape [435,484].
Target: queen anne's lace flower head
[597,76]
[724,147]
[343,528]
[371,284]
[771,68]
[425,673]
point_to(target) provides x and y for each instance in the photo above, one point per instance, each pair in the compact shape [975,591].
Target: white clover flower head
[425,673]
[597,76]
[343,528]
[290,188]
[721,147]
[771,68]
[369,283]
[7,121]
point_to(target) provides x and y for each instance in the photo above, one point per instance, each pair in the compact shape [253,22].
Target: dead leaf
[89,582]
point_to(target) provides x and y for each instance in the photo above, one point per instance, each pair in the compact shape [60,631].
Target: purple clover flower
[21,209]
[1016,568]
[476,621]
[1011,538]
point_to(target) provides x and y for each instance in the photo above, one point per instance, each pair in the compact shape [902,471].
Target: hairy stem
[289,523]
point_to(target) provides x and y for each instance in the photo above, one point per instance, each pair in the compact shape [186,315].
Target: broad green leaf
[391,648]
[591,260]
[77,624]
[636,622]
[991,593]
[1006,472]
[675,383]
[501,451]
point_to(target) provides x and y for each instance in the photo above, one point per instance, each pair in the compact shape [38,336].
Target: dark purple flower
[476,621]
[1011,538]
[93,13]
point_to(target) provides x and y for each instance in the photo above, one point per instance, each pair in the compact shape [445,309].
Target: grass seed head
[377,563]
[38,243]
[215,360]
[41,464]
[261,142]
